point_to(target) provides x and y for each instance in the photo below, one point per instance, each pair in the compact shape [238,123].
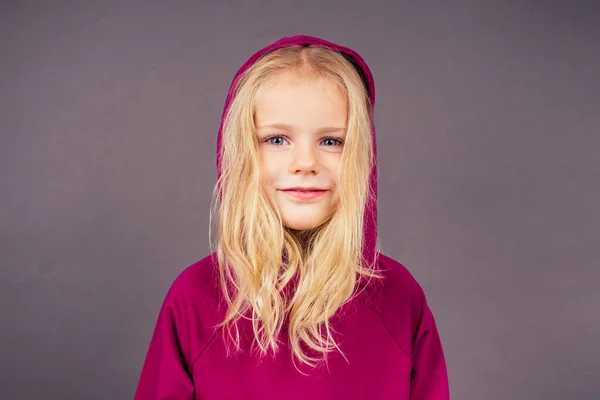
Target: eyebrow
[291,128]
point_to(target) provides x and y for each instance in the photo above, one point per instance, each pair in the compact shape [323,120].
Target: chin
[297,222]
[304,217]
[301,226]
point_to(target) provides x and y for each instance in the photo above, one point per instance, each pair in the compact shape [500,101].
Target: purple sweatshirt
[388,332]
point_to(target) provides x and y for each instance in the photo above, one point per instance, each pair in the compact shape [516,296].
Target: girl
[296,302]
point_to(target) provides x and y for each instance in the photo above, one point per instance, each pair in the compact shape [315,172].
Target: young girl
[296,302]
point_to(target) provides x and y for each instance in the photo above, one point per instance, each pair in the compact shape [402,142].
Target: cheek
[334,166]
[271,167]
[264,168]
[267,175]
[268,181]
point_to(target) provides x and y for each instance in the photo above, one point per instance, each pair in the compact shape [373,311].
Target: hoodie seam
[202,351]
[389,333]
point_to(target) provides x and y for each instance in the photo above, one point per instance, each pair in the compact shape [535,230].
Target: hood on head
[370,227]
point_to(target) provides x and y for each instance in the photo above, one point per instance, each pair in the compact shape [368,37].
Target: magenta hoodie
[388,332]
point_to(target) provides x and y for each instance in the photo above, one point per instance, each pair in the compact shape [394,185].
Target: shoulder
[196,279]
[398,287]
[190,310]
[196,288]
[399,301]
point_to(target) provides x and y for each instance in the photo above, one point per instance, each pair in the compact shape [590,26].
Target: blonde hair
[257,255]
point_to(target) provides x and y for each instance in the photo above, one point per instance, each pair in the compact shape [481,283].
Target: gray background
[487,120]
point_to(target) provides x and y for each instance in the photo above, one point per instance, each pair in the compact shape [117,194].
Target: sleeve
[429,376]
[165,373]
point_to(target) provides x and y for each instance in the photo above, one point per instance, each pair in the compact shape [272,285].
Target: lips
[302,194]
[304,190]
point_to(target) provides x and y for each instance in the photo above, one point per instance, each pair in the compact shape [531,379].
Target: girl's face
[301,127]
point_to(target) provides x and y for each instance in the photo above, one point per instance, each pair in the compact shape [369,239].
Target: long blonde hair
[257,255]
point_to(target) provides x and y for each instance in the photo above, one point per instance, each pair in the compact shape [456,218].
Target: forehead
[293,98]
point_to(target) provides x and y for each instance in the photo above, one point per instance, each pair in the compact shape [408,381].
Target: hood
[370,232]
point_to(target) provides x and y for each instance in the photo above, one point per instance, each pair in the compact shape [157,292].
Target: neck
[303,236]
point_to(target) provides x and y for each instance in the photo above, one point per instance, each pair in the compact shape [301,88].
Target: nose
[304,161]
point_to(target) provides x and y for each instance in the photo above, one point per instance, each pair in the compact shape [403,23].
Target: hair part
[257,255]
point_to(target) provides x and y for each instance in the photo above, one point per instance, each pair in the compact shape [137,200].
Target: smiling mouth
[305,194]
[304,190]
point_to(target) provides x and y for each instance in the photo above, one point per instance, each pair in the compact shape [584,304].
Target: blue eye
[335,139]
[268,140]
[337,142]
